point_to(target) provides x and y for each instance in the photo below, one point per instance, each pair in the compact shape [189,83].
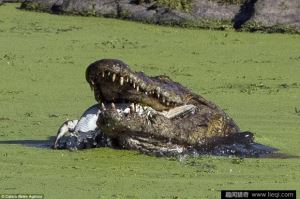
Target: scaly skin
[202,128]
[82,133]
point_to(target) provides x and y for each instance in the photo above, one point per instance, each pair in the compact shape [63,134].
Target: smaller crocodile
[84,133]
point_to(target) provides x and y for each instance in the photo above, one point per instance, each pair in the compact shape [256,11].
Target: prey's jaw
[113,81]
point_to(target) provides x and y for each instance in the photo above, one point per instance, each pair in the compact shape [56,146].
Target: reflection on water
[252,150]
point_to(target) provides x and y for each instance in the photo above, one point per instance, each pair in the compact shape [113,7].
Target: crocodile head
[113,81]
[155,101]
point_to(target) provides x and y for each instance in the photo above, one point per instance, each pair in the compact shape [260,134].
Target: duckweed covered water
[254,77]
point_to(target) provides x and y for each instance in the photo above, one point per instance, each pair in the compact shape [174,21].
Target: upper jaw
[113,81]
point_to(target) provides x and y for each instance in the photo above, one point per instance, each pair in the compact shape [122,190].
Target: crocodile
[83,133]
[156,115]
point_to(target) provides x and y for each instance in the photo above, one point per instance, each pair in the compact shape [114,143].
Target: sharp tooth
[113,105]
[146,93]
[133,85]
[103,106]
[103,74]
[121,81]
[168,103]
[138,108]
[137,88]
[127,80]
[130,80]
[127,111]
[114,77]
[158,95]
[108,73]
[132,107]
[164,100]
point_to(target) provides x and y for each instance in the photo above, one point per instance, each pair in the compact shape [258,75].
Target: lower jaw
[152,147]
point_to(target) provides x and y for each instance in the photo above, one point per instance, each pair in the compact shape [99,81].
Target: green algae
[43,57]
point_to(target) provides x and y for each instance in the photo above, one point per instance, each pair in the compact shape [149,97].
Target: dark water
[248,150]
[96,140]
